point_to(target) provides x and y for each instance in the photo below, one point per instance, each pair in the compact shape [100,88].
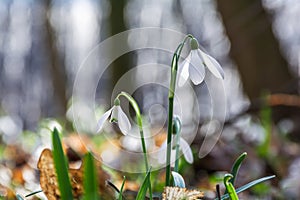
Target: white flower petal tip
[117,115]
[123,121]
[213,65]
[187,151]
[184,148]
[102,120]
[196,71]
[196,68]
[161,154]
[193,68]
[178,180]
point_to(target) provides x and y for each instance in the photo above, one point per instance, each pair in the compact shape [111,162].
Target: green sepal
[143,189]
[194,44]
[117,102]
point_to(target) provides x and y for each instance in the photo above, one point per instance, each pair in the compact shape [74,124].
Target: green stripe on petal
[114,114]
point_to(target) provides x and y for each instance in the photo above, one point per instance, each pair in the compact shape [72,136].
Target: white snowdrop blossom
[193,66]
[116,115]
[184,147]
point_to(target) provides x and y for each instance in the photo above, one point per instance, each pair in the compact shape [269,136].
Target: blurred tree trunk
[117,25]
[254,47]
[56,66]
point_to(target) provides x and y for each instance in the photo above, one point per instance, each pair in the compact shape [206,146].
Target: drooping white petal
[212,64]
[123,121]
[186,150]
[183,71]
[102,119]
[196,68]
[173,158]
[161,156]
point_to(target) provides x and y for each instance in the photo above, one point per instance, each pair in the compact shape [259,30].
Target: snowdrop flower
[184,147]
[194,66]
[116,115]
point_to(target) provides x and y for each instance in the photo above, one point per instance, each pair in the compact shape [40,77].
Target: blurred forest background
[257,42]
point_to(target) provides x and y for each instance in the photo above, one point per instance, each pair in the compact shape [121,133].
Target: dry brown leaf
[176,193]
[48,179]
[77,143]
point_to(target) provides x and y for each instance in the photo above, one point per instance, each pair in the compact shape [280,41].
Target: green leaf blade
[255,182]
[90,181]
[248,185]
[61,167]
[236,166]
[121,190]
[143,189]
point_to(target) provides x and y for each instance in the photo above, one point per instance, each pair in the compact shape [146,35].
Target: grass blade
[61,167]
[236,166]
[249,185]
[143,189]
[121,190]
[90,181]
[229,187]
[178,180]
[255,182]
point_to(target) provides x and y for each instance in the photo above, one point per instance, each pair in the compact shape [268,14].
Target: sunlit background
[43,43]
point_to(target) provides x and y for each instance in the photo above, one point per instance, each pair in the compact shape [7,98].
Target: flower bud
[176,125]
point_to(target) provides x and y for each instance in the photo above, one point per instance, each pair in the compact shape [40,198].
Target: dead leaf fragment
[48,178]
[176,193]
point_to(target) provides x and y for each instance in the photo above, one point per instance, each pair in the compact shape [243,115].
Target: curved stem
[139,122]
[140,125]
[229,187]
[174,67]
[189,36]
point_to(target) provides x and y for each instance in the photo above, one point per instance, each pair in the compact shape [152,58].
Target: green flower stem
[140,125]
[174,68]
[177,151]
